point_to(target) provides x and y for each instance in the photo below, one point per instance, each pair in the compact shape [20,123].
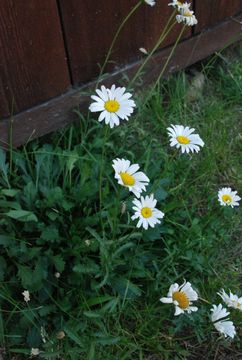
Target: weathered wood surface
[211,12]
[33,65]
[91,25]
[59,112]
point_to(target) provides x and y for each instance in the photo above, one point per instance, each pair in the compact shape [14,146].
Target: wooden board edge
[57,113]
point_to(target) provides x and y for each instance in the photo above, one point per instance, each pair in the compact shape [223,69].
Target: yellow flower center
[179,3]
[187,13]
[112,105]
[181,298]
[227,199]
[146,212]
[236,304]
[127,179]
[183,140]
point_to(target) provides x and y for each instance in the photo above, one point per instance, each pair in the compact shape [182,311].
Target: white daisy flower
[129,176]
[35,352]
[182,297]
[146,212]
[182,137]
[224,326]
[231,300]
[186,16]
[178,4]
[150,2]
[227,197]
[26,295]
[113,103]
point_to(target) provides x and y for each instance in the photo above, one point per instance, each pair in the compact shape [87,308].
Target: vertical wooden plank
[33,64]
[91,25]
[211,12]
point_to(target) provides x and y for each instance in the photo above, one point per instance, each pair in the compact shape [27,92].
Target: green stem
[162,37]
[116,37]
[169,57]
[101,174]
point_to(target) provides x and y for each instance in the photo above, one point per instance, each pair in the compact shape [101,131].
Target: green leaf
[58,262]
[73,336]
[98,300]
[89,268]
[109,340]
[160,194]
[22,215]
[5,240]
[50,233]
[26,275]
[4,166]
[9,192]
[126,288]
[92,314]
[3,267]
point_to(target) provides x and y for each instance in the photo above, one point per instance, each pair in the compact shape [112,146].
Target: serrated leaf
[89,268]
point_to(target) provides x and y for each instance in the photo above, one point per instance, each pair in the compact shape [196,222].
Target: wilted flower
[150,2]
[224,326]
[182,297]
[35,352]
[60,335]
[178,4]
[26,295]
[231,300]
[113,103]
[182,137]
[146,212]
[143,50]
[186,16]
[227,197]
[127,176]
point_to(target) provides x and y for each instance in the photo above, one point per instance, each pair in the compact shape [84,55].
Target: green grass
[112,274]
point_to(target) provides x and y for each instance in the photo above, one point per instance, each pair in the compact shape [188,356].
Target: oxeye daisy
[224,326]
[146,212]
[182,137]
[182,297]
[178,4]
[129,176]
[150,2]
[114,104]
[227,197]
[231,300]
[186,16]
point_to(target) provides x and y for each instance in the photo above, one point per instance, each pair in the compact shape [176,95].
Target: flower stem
[162,37]
[101,174]
[169,57]
[115,39]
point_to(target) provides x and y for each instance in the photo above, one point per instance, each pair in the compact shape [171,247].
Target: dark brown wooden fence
[49,48]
